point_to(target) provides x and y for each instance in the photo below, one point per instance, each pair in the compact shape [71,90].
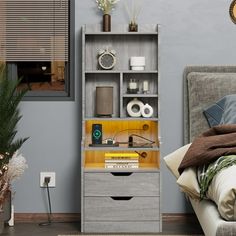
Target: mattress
[210,220]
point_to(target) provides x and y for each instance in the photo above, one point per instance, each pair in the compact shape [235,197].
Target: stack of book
[121,160]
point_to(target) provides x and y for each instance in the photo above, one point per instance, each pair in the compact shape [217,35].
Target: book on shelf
[126,156]
[121,160]
[121,157]
[122,165]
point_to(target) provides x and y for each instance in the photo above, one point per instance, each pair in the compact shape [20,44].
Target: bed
[204,85]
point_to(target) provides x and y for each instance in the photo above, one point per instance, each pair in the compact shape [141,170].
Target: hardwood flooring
[44,86]
[171,226]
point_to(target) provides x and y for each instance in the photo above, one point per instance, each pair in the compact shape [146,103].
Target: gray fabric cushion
[229,114]
[214,113]
[222,112]
[203,89]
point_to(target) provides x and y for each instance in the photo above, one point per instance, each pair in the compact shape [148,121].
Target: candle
[145,86]
[133,84]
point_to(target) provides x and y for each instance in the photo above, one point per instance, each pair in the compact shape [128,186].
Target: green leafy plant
[10,98]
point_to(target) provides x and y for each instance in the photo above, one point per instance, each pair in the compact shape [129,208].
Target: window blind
[34,30]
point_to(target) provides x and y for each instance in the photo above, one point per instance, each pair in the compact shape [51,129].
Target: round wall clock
[232,11]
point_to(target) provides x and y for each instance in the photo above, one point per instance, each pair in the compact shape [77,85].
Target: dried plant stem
[133,11]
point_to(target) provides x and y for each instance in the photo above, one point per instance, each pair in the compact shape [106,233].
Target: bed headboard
[204,85]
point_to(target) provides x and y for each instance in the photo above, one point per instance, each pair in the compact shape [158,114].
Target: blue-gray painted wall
[193,32]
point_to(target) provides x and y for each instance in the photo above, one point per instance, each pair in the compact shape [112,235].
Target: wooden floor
[170,227]
[44,86]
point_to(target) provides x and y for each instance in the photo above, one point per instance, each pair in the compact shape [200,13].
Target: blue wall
[193,32]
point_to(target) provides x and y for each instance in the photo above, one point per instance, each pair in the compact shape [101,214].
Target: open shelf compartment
[152,101]
[135,45]
[119,131]
[140,79]
[96,160]
[101,80]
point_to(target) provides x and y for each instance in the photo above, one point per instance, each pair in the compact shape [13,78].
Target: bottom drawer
[121,209]
[122,227]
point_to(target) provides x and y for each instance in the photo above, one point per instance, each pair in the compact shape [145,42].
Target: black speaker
[97,134]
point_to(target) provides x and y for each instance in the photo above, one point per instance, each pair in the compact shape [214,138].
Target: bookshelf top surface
[118,29]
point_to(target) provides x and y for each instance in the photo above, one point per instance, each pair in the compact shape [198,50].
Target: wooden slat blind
[34,30]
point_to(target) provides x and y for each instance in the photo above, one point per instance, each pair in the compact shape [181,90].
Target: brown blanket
[217,141]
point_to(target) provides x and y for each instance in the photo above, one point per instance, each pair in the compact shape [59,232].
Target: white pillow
[174,159]
[188,183]
[222,191]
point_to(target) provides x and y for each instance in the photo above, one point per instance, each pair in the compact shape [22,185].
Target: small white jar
[137,63]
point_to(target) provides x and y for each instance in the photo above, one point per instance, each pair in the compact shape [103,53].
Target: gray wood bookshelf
[120,200]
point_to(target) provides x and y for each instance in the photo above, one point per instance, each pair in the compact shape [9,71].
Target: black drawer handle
[121,173]
[121,198]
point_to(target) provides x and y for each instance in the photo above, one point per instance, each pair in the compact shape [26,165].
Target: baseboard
[75,217]
[41,217]
[180,217]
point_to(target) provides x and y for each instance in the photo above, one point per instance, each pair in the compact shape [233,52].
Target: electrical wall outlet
[52,182]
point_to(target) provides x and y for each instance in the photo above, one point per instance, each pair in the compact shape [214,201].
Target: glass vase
[133,27]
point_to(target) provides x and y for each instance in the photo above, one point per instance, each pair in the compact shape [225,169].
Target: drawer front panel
[121,208]
[121,184]
[122,227]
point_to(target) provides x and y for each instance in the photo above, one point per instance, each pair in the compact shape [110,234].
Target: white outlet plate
[52,182]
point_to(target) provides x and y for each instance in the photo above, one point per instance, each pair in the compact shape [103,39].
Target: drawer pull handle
[121,173]
[121,198]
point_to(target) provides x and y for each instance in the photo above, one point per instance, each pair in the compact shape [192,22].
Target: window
[36,41]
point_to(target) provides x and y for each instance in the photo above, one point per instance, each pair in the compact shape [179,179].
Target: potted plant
[106,6]
[12,164]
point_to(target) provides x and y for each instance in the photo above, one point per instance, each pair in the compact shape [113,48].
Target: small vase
[133,27]
[106,23]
